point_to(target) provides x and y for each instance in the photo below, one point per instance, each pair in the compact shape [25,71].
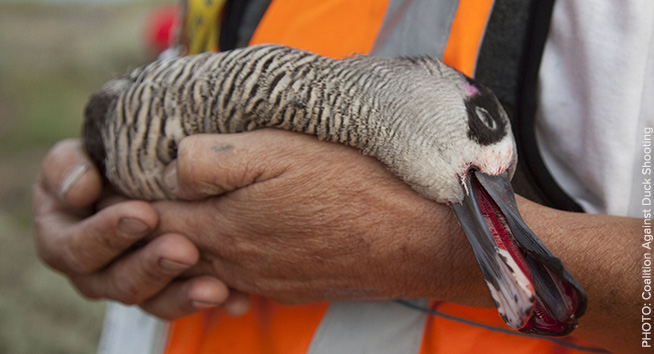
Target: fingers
[97,250]
[209,165]
[237,304]
[68,174]
[94,254]
[149,277]
[185,297]
[77,246]
[68,236]
[139,275]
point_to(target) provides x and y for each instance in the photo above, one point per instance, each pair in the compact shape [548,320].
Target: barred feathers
[376,105]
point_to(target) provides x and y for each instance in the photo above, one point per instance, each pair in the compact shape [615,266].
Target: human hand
[299,221]
[104,254]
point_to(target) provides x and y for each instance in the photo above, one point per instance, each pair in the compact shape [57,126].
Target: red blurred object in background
[161,27]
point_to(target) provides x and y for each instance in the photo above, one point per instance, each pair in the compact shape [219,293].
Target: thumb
[68,174]
[213,164]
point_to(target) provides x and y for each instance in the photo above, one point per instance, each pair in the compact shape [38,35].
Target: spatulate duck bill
[531,288]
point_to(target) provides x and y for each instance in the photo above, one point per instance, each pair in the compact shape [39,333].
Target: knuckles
[126,291]
[77,260]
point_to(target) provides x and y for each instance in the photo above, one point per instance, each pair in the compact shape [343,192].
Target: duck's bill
[531,288]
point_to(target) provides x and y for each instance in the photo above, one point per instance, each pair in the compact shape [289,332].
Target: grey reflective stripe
[416,27]
[375,328]
[129,330]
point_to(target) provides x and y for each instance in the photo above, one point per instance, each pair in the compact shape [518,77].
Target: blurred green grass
[52,57]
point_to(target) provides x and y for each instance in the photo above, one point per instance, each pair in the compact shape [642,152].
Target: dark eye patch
[486,121]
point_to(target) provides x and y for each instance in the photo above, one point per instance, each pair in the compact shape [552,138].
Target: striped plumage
[372,104]
[443,134]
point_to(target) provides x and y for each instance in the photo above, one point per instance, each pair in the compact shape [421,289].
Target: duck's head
[473,158]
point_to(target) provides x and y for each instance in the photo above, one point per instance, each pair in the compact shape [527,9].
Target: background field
[53,55]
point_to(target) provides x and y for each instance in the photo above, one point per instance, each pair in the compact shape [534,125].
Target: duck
[441,132]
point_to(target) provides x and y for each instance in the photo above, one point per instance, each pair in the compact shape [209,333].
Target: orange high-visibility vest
[340,28]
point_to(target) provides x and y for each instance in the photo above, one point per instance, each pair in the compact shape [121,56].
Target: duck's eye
[485,118]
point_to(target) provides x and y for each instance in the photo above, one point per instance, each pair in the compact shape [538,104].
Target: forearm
[603,253]
[362,234]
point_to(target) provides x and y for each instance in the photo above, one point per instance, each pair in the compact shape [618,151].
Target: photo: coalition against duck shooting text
[647,238]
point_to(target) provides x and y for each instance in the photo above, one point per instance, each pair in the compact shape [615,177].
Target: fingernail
[173,266]
[132,228]
[203,305]
[71,178]
[170,178]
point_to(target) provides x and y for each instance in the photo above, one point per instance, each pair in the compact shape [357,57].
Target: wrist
[441,264]
[598,250]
